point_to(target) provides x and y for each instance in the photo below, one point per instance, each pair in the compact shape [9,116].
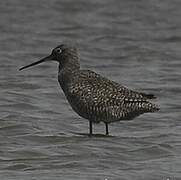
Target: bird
[93,96]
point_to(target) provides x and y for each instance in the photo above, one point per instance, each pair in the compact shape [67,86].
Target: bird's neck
[66,74]
[69,68]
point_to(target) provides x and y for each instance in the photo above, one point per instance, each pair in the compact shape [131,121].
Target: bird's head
[67,56]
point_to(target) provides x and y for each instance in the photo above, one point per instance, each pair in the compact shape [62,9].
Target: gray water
[136,43]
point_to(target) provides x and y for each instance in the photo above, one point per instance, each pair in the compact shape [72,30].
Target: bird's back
[96,98]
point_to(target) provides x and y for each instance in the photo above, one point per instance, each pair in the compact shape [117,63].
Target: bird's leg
[90,128]
[107,130]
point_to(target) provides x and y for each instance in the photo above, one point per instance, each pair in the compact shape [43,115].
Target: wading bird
[93,96]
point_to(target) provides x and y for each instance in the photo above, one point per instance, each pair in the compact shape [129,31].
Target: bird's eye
[58,50]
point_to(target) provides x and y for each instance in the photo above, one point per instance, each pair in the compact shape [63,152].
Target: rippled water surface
[136,43]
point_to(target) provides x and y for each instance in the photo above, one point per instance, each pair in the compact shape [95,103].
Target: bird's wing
[89,84]
[118,87]
[94,86]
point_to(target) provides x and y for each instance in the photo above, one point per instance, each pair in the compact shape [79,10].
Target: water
[136,43]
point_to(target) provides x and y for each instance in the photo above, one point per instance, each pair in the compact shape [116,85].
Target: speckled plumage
[93,96]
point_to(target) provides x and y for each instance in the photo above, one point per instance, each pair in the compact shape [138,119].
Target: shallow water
[136,43]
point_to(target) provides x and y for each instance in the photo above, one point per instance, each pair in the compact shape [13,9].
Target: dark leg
[90,127]
[107,131]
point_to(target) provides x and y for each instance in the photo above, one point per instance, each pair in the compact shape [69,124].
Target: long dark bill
[48,58]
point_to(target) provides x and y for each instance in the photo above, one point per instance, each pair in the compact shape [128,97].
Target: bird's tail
[150,107]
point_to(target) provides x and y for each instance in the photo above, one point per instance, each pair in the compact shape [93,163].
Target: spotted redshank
[93,96]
